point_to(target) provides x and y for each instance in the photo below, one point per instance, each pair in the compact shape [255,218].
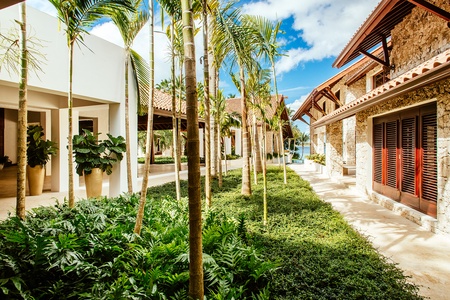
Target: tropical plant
[129,24]
[4,159]
[90,153]
[38,150]
[78,16]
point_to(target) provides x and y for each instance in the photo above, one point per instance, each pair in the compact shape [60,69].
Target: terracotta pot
[35,177]
[94,182]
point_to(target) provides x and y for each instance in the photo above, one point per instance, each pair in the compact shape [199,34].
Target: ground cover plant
[90,252]
[161,160]
[307,251]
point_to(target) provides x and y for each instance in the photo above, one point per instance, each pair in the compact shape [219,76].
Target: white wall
[95,76]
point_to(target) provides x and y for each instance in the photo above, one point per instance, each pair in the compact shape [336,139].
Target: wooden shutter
[409,155]
[429,157]
[378,152]
[391,159]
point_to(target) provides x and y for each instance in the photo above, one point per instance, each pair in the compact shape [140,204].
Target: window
[324,106]
[379,79]
[405,157]
[338,95]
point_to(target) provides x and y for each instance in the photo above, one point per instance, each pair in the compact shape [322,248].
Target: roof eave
[377,15]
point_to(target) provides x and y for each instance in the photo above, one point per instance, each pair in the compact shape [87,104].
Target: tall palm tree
[78,16]
[129,24]
[149,133]
[237,42]
[207,104]
[196,287]
[22,119]
[268,47]
[173,9]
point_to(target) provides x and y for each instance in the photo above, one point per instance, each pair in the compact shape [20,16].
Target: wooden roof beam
[317,106]
[303,120]
[327,92]
[310,115]
[432,9]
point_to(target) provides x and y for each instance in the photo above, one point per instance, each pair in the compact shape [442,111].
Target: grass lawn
[307,251]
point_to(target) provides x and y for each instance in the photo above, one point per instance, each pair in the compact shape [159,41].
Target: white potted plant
[93,157]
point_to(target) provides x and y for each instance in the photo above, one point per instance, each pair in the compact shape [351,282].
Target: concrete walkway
[421,254]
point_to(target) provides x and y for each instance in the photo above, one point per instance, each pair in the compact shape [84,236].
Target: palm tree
[78,16]
[237,40]
[129,24]
[149,134]
[268,47]
[173,8]
[22,119]
[196,287]
[303,138]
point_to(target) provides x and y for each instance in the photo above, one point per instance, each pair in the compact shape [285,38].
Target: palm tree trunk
[214,154]
[179,116]
[207,108]
[69,142]
[256,149]
[22,120]
[264,165]
[219,156]
[246,182]
[149,141]
[175,151]
[282,150]
[127,126]
[196,287]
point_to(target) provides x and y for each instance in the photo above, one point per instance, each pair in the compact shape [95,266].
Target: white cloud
[324,25]
[43,5]
[295,105]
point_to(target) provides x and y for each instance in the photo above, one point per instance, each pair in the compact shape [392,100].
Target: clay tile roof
[435,69]
[163,101]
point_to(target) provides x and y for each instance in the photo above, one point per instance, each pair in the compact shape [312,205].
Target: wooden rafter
[310,115]
[327,92]
[378,60]
[317,106]
[432,9]
[303,120]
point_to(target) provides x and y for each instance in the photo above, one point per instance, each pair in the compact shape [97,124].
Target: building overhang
[431,71]
[378,26]
[6,3]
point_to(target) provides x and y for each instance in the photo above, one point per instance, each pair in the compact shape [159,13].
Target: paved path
[423,255]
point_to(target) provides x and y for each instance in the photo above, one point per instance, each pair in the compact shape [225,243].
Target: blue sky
[315,33]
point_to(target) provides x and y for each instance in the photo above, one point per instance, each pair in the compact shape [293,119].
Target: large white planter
[94,182]
[36,176]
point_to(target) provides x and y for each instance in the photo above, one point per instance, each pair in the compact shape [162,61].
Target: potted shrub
[38,154]
[93,157]
[4,160]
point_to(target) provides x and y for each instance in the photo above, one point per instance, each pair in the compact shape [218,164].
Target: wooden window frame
[410,131]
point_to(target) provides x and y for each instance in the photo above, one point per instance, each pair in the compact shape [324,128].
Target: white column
[227,145]
[238,143]
[60,165]
[201,136]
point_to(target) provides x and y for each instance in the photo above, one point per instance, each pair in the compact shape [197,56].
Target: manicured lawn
[307,251]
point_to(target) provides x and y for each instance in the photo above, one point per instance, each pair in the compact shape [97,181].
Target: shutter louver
[378,152]
[408,155]
[391,145]
[429,157]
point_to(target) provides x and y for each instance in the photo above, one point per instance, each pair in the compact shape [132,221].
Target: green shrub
[160,160]
[318,158]
[233,156]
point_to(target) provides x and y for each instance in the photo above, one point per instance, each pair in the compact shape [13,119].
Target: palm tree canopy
[79,15]
[129,22]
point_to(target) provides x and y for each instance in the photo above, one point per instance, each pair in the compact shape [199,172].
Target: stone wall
[441,93]
[420,36]
[334,149]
